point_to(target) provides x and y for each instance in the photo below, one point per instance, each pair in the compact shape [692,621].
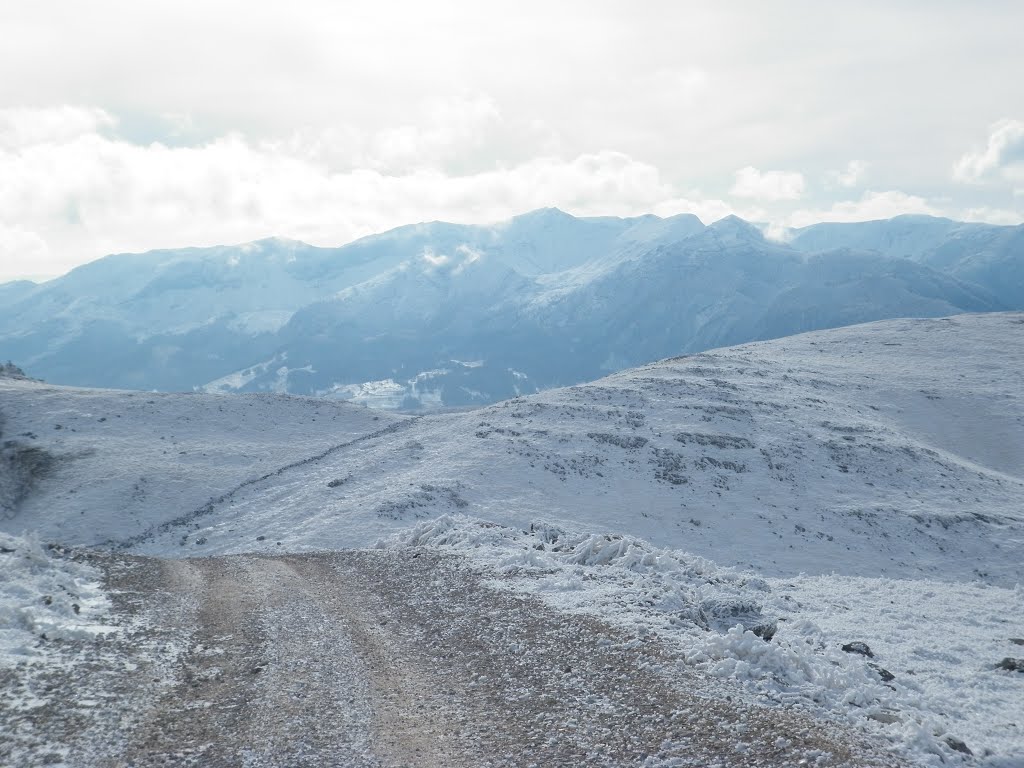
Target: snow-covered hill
[545,299]
[89,466]
[898,442]
[759,506]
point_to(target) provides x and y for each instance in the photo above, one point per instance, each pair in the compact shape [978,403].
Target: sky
[128,126]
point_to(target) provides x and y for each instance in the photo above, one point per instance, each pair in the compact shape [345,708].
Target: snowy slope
[907,236]
[807,454]
[760,506]
[44,591]
[87,466]
[988,256]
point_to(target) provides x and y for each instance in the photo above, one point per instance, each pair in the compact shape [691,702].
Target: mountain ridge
[544,299]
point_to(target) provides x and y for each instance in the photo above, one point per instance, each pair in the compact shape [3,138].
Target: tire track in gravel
[210,506]
[408,658]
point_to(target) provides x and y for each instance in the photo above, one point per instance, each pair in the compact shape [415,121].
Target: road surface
[378,658]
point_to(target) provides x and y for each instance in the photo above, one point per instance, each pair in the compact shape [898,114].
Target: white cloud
[768,185]
[777,232]
[64,202]
[851,176]
[21,127]
[451,129]
[73,187]
[871,206]
[25,254]
[992,216]
[1003,155]
[434,259]
[403,87]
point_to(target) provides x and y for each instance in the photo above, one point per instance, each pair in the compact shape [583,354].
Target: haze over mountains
[440,314]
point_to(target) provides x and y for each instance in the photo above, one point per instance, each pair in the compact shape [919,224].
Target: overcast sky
[127,126]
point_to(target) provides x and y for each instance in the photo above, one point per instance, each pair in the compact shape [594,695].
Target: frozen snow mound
[45,595]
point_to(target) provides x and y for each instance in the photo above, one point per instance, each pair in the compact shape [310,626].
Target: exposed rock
[957,745]
[1011,664]
[858,647]
[885,717]
[883,673]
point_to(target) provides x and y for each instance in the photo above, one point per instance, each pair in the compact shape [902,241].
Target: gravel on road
[377,658]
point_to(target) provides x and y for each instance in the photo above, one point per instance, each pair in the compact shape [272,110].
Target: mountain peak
[733,228]
[543,215]
[274,242]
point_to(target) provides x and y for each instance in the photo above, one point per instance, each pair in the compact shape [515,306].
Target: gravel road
[376,658]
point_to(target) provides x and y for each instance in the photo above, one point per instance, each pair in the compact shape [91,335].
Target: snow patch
[44,596]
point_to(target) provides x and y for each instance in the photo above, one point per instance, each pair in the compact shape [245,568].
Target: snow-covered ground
[930,684]
[109,464]
[890,449]
[44,595]
[862,484]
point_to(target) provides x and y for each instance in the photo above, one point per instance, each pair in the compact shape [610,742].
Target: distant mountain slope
[894,447]
[724,284]
[908,236]
[440,314]
[989,256]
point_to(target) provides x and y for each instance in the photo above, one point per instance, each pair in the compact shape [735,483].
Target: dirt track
[377,659]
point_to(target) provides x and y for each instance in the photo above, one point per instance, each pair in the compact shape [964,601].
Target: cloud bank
[69,193]
[768,185]
[73,189]
[1002,156]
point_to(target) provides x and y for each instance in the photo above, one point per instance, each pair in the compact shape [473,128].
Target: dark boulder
[1011,665]
[860,648]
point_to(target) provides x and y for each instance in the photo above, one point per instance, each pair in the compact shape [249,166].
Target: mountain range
[438,314]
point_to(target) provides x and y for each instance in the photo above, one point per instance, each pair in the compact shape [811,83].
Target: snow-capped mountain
[450,315]
[988,256]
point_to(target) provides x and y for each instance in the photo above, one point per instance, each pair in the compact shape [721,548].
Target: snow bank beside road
[44,595]
[930,687]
